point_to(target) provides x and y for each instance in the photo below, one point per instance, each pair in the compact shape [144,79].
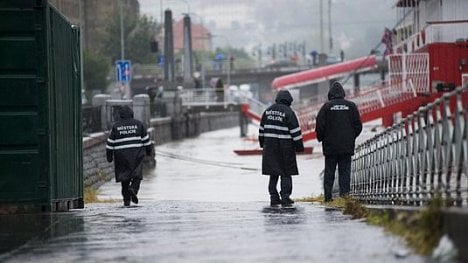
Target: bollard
[141,108]
[99,100]
[243,124]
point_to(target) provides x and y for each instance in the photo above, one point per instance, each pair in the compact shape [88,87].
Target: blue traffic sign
[123,70]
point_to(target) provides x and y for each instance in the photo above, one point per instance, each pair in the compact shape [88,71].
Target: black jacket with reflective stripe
[280,137]
[127,144]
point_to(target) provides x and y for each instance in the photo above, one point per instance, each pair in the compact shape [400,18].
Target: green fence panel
[40,146]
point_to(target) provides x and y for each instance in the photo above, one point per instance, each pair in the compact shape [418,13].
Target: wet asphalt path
[193,211]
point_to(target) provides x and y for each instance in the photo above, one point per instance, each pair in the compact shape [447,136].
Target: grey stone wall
[96,169]
[162,130]
[217,120]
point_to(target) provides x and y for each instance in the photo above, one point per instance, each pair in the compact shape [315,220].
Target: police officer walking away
[280,137]
[337,127]
[127,144]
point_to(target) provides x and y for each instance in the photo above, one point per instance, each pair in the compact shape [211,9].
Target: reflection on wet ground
[192,212]
[18,229]
[185,231]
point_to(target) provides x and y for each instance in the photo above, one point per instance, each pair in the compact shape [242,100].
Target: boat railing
[435,32]
[376,98]
[451,31]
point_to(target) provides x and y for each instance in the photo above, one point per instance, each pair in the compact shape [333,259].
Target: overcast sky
[357,25]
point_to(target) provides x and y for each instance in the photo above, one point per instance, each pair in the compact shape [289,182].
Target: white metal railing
[255,106]
[410,69]
[382,97]
[446,32]
[307,115]
[418,159]
[208,96]
[411,44]
[443,32]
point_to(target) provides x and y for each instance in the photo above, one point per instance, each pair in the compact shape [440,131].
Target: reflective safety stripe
[295,130]
[109,147]
[260,134]
[135,145]
[261,128]
[297,138]
[125,139]
[276,127]
[145,138]
[279,136]
[147,143]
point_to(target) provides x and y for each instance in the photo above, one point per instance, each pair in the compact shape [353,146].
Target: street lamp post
[122,45]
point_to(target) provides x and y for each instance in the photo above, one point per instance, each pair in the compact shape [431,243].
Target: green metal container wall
[40,146]
[65,109]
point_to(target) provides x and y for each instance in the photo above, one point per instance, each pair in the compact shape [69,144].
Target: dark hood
[336,91]
[284,97]
[125,112]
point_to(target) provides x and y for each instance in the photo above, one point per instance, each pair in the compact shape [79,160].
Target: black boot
[286,201]
[133,195]
[275,200]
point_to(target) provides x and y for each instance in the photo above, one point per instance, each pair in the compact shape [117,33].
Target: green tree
[111,47]
[95,70]
[139,42]
[138,32]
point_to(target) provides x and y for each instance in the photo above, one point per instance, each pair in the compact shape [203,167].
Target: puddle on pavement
[217,215]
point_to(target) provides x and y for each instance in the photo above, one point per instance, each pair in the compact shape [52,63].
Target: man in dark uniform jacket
[280,137]
[127,144]
[337,127]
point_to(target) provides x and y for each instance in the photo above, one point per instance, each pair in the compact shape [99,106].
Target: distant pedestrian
[337,127]
[231,62]
[314,55]
[219,88]
[280,137]
[127,144]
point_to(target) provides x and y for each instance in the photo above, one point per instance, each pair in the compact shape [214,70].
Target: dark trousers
[286,186]
[344,171]
[133,183]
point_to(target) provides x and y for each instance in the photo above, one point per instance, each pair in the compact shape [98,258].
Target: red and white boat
[428,55]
